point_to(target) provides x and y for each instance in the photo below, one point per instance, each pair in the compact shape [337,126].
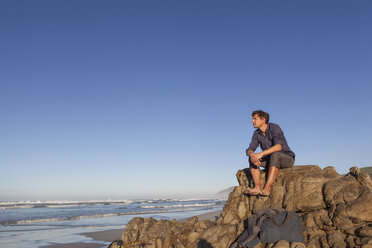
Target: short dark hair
[262,114]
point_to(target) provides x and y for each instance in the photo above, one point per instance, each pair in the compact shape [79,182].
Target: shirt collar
[260,132]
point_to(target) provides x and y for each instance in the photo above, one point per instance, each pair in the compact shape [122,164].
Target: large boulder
[336,211]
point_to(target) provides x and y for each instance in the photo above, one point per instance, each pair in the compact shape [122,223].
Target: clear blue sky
[123,99]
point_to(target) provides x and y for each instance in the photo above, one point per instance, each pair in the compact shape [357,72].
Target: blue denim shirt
[274,135]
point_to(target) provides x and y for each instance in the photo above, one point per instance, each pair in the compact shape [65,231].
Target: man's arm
[257,156]
[274,148]
[253,145]
[249,152]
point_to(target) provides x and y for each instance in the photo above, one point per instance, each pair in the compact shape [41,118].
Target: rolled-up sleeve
[278,136]
[254,142]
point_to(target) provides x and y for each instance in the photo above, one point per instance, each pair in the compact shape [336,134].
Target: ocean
[38,223]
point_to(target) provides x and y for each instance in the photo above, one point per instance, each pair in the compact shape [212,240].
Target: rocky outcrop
[336,212]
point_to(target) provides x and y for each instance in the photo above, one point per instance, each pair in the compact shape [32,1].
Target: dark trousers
[279,160]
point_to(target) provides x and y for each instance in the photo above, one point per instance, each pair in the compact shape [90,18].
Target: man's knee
[281,160]
[275,160]
[275,155]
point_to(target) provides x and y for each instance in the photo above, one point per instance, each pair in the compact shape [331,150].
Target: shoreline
[101,237]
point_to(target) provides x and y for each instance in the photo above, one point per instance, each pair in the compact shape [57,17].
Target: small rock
[365,231]
[297,245]
[281,244]
[366,241]
[193,237]
[335,239]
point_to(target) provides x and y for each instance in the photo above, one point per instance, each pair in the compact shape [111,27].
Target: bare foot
[265,192]
[254,191]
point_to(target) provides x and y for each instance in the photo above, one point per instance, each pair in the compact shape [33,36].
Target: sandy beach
[111,235]
[209,216]
[103,236]
[75,245]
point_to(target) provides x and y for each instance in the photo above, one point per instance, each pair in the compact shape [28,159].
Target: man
[275,153]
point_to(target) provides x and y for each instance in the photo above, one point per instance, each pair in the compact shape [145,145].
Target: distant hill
[225,193]
[367,170]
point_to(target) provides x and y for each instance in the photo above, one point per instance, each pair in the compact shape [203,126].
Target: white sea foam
[58,219]
[196,199]
[30,212]
[42,220]
[59,204]
[62,202]
[181,205]
[13,207]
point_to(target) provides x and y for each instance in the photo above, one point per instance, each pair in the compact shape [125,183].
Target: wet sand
[75,245]
[213,216]
[108,236]
[104,236]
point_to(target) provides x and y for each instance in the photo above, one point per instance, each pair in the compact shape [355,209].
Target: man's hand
[259,155]
[256,158]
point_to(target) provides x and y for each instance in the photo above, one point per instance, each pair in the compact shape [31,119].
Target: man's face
[257,121]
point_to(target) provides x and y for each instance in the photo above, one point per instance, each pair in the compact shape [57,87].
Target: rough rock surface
[336,212]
